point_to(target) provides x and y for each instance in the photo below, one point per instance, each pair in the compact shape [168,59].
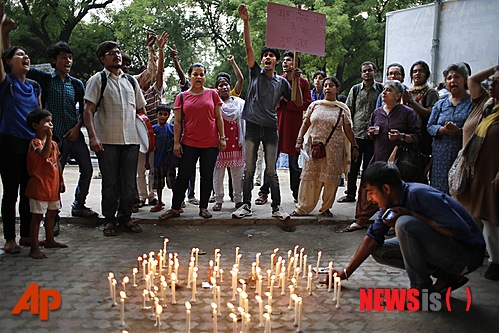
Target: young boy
[264,92]
[45,183]
[164,160]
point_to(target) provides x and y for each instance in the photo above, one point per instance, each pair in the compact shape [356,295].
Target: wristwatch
[224,138]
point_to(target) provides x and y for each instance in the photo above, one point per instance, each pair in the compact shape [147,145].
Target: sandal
[14,250]
[327,213]
[109,229]
[168,215]
[194,201]
[157,208]
[346,198]
[217,207]
[204,213]
[262,199]
[353,227]
[131,226]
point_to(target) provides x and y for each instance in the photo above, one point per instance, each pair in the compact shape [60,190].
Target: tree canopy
[203,30]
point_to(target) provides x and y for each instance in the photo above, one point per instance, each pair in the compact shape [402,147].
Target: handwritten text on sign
[294,29]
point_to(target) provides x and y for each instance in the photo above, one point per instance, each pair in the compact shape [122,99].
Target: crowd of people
[42,115]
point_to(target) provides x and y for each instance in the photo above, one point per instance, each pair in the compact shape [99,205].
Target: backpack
[356,89]
[103,78]
[10,88]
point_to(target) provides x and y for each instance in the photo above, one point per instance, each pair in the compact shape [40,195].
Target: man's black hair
[380,173]
[272,50]
[54,50]
[36,115]
[402,70]
[292,56]
[367,63]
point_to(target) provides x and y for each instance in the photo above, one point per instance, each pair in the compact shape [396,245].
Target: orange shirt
[43,183]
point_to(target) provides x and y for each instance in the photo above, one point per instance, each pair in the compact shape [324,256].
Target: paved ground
[80,272]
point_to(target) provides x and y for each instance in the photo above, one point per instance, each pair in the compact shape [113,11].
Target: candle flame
[258,298]
[214,306]
[135,270]
[122,294]
[233,316]
[126,279]
[159,309]
[188,305]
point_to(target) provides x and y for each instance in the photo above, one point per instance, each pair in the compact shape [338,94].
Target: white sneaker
[242,211]
[280,213]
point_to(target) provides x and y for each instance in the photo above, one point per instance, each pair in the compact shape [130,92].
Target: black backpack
[103,78]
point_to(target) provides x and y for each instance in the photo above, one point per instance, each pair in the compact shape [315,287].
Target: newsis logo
[402,299]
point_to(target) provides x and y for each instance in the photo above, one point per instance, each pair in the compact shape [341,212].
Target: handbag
[412,164]
[319,148]
[458,176]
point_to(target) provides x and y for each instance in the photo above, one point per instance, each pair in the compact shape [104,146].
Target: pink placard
[290,28]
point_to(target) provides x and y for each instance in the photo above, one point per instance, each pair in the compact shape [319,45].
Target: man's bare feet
[54,244]
[37,254]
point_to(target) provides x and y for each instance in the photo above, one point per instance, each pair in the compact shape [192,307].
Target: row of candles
[152,295]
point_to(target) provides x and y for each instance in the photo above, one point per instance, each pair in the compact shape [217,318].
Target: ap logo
[38,301]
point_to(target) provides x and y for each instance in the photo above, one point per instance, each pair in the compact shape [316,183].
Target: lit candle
[283,284]
[151,280]
[319,255]
[194,277]
[239,291]
[154,303]
[165,243]
[304,267]
[239,259]
[253,270]
[244,295]
[144,295]
[134,273]
[210,274]
[291,293]
[218,300]
[234,284]
[290,262]
[213,282]
[188,317]
[338,291]
[330,276]
[295,252]
[189,274]
[278,266]
[173,280]
[272,281]
[269,296]
[267,322]
[176,263]
[295,262]
[301,257]
[289,255]
[309,283]
[243,323]
[214,306]
[300,306]
[237,255]
[163,291]
[160,260]
[123,296]
[233,316]
[139,262]
[295,298]
[221,275]
[248,319]
[335,283]
[114,292]
[124,282]
[110,277]
[147,282]
[272,257]
[258,259]
[144,272]
[159,310]
[260,307]
[170,264]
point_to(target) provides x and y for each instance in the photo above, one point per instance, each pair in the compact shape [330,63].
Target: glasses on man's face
[492,81]
[113,53]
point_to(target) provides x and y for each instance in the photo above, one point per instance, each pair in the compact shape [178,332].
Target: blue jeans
[187,167]
[118,166]
[269,137]
[79,151]
[423,252]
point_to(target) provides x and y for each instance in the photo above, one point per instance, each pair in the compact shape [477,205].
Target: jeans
[14,173]
[294,177]
[79,151]
[422,252]
[118,166]
[269,137]
[366,151]
[187,167]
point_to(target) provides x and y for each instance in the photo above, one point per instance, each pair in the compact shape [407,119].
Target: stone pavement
[80,272]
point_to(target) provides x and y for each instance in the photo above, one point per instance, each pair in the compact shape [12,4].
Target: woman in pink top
[198,135]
